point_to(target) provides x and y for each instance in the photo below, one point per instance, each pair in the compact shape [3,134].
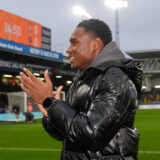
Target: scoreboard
[20,30]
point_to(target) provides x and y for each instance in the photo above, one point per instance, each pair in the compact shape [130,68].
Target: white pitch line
[32,149]
[149,152]
[58,150]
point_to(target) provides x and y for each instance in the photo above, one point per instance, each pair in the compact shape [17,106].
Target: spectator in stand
[6,109]
[1,110]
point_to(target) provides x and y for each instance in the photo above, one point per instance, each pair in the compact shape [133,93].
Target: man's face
[81,49]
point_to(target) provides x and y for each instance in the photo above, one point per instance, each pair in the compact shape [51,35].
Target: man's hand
[57,96]
[58,92]
[43,110]
[35,87]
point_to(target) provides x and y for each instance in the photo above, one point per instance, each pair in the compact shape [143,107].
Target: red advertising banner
[19,30]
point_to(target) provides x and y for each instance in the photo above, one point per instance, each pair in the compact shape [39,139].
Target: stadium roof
[145,53]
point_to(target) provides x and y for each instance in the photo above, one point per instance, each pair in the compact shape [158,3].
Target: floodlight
[78,10]
[114,4]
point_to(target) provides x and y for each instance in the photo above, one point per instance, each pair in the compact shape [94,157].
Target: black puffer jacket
[97,121]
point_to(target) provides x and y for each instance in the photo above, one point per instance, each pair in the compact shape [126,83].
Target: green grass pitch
[19,141]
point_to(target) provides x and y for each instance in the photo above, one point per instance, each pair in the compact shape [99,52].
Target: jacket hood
[112,56]
[110,52]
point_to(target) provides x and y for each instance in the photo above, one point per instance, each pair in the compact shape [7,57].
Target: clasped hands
[37,89]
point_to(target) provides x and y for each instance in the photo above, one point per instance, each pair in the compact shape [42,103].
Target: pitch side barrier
[149,106]
[11,117]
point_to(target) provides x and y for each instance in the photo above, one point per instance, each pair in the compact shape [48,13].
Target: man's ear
[98,45]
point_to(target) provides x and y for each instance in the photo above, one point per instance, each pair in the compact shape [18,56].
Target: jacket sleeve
[107,111]
[52,131]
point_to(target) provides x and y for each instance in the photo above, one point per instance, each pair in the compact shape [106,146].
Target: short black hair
[99,28]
